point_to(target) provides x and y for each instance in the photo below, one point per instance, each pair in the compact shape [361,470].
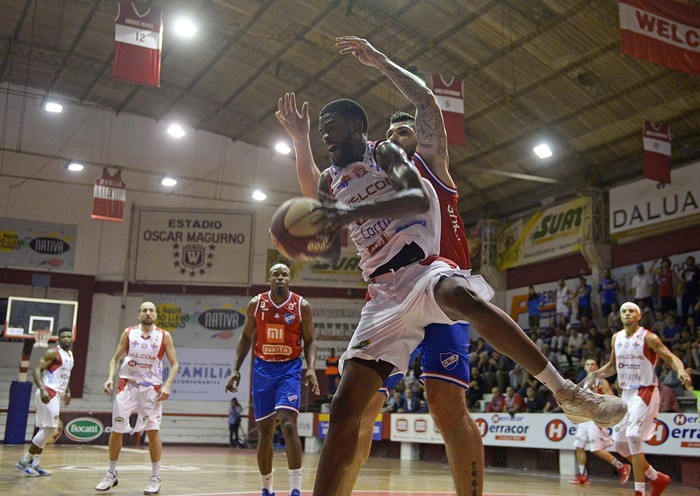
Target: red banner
[665,32]
[450,97]
[657,152]
[109,197]
[138,39]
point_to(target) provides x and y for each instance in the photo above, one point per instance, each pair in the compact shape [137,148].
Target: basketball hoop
[41,338]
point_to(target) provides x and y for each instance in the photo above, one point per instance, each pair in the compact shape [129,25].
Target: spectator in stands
[667,400]
[477,349]
[671,332]
[412,403]
[669,377]
[559,343]
[535,302]
[550,402]
[689,288]
[477,388]
[606,351]
[551,355]
[608,293]
[643,289]
[583,294]
[647,320]
[395,403]
[659,324]
[614,321]
[514,402]
[533,402]
[575,344]
[695,346]
[517,376]
[564,296]
[667,283]
[591,351]
[498,401]
[682,348]
[332,373]
[498,368]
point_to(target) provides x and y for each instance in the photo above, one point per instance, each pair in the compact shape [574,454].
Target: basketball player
[279,320]
[445,350]
[594,439]
[51,376]
[460,426]
[141,390]
[635,352]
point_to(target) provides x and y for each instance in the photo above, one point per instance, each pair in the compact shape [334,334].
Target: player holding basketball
[447,395]
[141,390]
[594,439]
[279,320]
[51,376]
[635,352]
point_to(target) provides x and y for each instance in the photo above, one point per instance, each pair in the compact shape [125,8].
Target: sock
[266,482]
[551,378]
[616,463]
[35,460]
[582,469]
[640,486]
[156,470]
[295,479]
[651,473]
[113,467]
[27,457]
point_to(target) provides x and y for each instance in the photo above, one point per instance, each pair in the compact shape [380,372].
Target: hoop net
[41,338]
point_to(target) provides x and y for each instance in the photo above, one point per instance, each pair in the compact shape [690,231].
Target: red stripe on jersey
[122,385]
[646,392]
[57,363]
[51,392]
[161,351]
[648,352]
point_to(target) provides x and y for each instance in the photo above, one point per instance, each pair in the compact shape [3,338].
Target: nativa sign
[83,429]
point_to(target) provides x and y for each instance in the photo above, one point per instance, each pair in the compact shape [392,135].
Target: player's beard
[344,154]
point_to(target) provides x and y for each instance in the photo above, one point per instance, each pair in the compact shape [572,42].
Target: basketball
[298,229]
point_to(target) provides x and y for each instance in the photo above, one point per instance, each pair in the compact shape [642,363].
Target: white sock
[113,467]
[295,479]
[582,469]
[266,482]
[35,460]
[551,378]
[26,457]
[651,473]
[156,470]
[640,486]
[616,463]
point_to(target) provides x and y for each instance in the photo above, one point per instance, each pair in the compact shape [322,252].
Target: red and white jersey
[56,377]
[278,331]
[634,359]
[453,237]
[142,363]
[137,44]
[378,240]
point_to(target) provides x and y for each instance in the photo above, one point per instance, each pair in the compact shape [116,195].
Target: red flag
[109,197]
[138,40]
[450,97]
[657,152]
[665,32]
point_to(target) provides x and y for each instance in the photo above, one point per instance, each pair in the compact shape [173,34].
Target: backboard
[24,316]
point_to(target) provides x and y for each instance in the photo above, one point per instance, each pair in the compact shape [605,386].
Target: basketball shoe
[109,481]
[581,405]
[153,487]
[295,492]
[659,485]
[23,464]
[624,472]
[265,492]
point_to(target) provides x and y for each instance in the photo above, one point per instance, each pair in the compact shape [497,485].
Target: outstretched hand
[296,123]
[360,48]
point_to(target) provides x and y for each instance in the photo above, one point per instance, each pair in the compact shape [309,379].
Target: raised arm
[307,334]
[430,126]
[298,126]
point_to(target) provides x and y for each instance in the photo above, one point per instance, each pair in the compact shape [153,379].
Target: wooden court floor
[202,471]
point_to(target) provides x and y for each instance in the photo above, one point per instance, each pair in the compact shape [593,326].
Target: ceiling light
[74,166]
[283,148]
[259,195]
[168,181]
[176,131]
[53,107]
[184,27]
[542,151]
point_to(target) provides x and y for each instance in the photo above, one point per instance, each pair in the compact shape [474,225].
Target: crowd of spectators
[568,345]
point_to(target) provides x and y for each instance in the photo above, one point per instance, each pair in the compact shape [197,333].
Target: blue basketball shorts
[276,385]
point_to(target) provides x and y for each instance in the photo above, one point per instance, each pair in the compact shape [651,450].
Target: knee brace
[635,444]
[41,436]
[622,448]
